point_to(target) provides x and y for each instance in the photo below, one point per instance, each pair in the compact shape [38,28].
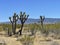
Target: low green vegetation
[32,26]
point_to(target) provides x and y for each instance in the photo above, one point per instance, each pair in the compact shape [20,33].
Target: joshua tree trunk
[21,29]
[42,24]
[14,28]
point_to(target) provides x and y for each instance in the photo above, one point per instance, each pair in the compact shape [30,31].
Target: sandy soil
[39,40]
[42,41]
[10,40]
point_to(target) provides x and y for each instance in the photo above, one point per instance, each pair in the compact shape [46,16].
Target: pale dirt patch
[10,40]
[41,40]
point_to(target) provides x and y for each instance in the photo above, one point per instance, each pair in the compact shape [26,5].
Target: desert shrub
[18,26]
[4,26]
[27,40]
[1,29]
[33,28]
[55,43]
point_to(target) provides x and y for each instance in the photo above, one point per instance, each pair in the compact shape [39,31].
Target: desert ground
[39,39]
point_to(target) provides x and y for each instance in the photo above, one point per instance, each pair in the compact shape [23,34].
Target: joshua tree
[13,21]
[23,17]
[43,30]
[41,20]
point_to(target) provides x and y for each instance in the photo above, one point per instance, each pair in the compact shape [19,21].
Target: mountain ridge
[31,20]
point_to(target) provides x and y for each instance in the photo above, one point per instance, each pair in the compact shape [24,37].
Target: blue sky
[35,8]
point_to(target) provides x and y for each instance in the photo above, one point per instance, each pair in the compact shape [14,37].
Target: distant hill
[52,20]
[46,21]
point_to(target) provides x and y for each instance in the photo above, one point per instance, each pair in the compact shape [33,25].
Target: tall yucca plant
[41,20]
[13,20]
[23,17]
[43,30]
